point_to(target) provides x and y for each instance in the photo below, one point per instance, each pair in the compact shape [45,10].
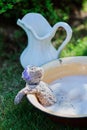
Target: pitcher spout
[28,28]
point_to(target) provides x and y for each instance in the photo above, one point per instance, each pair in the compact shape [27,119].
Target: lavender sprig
[25,74]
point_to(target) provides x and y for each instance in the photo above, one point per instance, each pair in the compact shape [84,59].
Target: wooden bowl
[67,77]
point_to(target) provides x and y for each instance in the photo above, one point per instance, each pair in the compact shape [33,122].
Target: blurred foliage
[10,7]
[84,5]
[53,10]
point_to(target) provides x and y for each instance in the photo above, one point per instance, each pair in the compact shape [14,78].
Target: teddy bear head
[32,75]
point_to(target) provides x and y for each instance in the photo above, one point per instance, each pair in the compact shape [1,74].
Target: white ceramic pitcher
[40,49]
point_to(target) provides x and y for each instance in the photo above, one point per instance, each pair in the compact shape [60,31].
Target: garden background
[13,40]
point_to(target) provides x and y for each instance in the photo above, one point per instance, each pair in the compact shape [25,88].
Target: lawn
[25,116]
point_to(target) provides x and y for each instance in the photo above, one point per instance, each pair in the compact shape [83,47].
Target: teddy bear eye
[33,68]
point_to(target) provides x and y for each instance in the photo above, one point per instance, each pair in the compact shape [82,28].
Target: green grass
[25,116]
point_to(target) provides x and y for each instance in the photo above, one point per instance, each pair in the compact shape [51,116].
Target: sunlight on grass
[77,49]
[85,6]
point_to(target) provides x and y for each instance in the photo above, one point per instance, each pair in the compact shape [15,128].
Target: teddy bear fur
[34,85]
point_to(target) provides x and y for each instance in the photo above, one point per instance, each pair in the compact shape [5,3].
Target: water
[71,94]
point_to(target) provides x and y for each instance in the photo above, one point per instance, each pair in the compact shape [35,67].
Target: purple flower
[26,75]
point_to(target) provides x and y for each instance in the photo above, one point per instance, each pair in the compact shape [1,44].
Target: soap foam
[71,94]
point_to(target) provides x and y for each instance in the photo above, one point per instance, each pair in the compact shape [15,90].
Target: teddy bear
[34,85]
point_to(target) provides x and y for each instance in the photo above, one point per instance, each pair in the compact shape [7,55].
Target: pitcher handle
[68,34]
